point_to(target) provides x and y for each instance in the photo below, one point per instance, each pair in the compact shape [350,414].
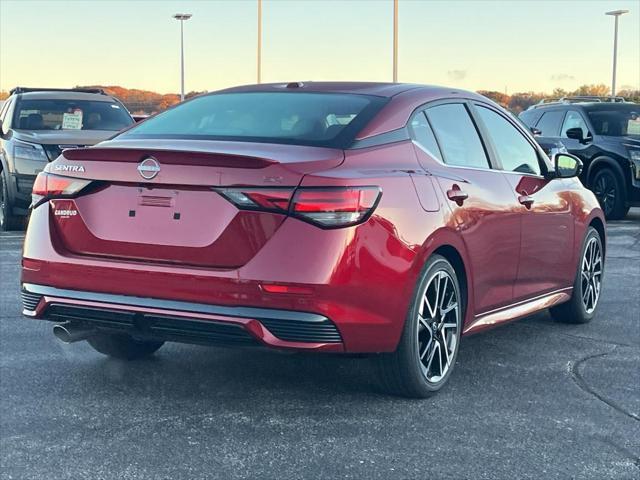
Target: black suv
[605,135]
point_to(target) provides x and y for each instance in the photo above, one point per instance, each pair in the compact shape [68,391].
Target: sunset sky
[473,44]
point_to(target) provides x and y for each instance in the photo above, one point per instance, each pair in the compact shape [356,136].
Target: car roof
[65,95]
[381,89]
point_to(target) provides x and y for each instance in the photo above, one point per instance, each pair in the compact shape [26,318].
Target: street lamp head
[617,13]
[182,16]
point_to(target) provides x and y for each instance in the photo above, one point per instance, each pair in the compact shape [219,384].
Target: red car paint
[515,257]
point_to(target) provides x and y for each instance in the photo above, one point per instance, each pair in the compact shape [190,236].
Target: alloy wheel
[438,324]
[591,275]
[604,189]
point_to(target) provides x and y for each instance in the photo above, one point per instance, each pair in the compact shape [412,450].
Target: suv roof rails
[577,99]
[18,90]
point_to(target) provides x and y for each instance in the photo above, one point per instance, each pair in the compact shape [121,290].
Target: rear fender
[448,237]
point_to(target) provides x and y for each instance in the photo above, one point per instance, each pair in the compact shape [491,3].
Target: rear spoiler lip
[168,157]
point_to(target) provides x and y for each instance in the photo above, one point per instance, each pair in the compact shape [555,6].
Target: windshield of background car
[298,118]
[70,115]
[616,120]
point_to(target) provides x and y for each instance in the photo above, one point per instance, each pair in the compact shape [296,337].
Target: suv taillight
[48,186]
[326,207]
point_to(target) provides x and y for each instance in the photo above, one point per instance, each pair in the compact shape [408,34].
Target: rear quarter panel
[380,261]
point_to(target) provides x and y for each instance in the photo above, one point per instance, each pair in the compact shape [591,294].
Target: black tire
[575,311]
[8,221]
[403,372]
[123,346]
[609,190]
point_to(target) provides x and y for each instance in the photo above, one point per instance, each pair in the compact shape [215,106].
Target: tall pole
[395,41]
[259,56]
[182,17]
[182,60]
[616,14]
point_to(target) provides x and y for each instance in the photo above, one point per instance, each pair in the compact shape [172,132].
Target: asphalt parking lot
[533,399]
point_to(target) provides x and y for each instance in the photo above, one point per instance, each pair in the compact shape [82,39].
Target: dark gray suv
[36,125]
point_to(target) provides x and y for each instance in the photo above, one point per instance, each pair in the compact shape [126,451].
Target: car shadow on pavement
[181,372]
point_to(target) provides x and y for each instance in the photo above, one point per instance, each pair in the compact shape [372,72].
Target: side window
[574,120]
[6,107]
[8,115]
[549,123]
[514,151]
[530,117]
[457,136]
[421,132]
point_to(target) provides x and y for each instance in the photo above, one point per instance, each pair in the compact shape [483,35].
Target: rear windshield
[70,115]
[615,120]
[299,118]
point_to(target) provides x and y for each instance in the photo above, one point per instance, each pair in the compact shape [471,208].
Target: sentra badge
[69,168]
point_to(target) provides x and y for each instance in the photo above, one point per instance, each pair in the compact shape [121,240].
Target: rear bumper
[185,322]
[360,278]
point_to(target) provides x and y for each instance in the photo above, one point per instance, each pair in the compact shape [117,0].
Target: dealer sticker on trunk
[65,213]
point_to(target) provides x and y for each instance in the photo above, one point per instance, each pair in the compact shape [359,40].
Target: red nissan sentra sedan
[373,218]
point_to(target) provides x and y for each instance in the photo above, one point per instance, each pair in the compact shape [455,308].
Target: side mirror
[535,131]
[567,165]
[575,134]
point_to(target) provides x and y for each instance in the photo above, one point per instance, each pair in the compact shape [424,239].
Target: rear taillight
[335,207]
[327,207]
[265,199]
[49,186]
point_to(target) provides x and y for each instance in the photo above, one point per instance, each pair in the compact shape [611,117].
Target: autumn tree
[599,90]
[498,97]
[630,95]
[559,93]
[522,101]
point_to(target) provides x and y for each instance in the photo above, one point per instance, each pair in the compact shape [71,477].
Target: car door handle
[526,200]
[457,195]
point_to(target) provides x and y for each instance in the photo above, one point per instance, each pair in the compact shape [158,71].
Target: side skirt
[517,310]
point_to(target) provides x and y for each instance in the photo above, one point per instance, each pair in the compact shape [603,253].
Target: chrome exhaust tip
[70,332]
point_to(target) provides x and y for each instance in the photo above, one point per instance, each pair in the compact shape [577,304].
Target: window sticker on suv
[72,120]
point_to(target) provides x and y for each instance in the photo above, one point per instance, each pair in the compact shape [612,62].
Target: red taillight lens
[335,207]
[49,186]
[269,199]
[327,207]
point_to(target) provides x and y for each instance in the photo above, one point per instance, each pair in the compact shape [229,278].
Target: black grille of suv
[54,151]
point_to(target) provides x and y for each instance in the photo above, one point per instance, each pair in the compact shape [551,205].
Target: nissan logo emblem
[149,168]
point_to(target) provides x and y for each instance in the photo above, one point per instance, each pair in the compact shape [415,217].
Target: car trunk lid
[155,200]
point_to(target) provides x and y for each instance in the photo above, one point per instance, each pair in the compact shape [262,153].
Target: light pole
[182,17]
[259,56]
[395,41]
[616,14]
